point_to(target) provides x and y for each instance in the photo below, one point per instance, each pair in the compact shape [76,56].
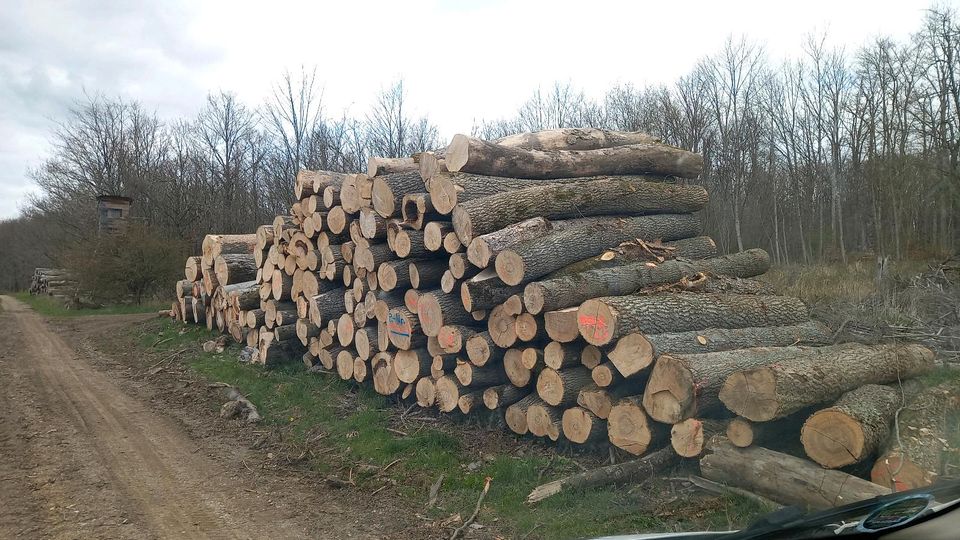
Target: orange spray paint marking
[600,329]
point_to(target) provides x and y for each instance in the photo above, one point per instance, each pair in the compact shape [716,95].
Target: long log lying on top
[532,259]
[776,390]
[575,139]
[914,457]
[606,319]
[634,352]
[448,189]
[620,195]
[855,426]
[380,166]
[214,245]
[575,289]
[469,154]
[783,478]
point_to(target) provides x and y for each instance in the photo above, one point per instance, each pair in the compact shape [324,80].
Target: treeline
[824,157]
[815,158]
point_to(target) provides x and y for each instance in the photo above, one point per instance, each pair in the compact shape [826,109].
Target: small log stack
[559,278]
[56,282]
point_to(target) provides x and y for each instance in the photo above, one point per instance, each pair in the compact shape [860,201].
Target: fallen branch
[476,511]
[723,489]
[634,470]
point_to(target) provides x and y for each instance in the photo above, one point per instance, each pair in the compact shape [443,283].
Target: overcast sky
[460,61]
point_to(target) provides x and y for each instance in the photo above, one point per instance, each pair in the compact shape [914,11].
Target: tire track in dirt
[90,455]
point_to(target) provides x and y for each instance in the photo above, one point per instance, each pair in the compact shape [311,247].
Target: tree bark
[855,426]
[575,139]
[503,395]
[468,154]
[556,355]
[634,352]
[235,268]
[606,319]
[449,189]
[914,457]
[385,166]
[615,196]
[426,273]
[532,259]
[783,478]
[484,248]
[770,391]
[575,289]
[470,375]
[409,243]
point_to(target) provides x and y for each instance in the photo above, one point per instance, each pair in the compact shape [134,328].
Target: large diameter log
[561,325]
[448,189]
[575,139]
[606,319]
[634,352]
[469,154]
[532,259]
[613,196]
[404,329]
[630,429]
[235,268]
[914,456]
[410,365]
[633,471]
[855,426]
[815,375]
[573,290]
[388,190]
[214,245]
[783,478]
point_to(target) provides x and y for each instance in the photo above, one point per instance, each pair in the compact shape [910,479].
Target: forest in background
[831,156]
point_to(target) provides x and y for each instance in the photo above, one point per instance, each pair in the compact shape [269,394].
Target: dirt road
[80,458]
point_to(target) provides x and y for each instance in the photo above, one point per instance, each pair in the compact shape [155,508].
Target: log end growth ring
[457,153]
[833,439]
[595,320]
[751,394]
[577,424]
[463,225]
[628,428]
[550,386]
[510,267]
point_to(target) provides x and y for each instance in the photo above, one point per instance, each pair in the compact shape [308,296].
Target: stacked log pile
[55,282]
[560,278]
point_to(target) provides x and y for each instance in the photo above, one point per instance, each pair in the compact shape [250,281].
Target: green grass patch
[51,307]
[355,425]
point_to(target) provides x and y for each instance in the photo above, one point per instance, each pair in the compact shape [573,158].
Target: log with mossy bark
[784,478]
[612,196]
[854,428]
[770,391]
[469,154]
[532,259]
[915,454]
[604,320]
[574,289]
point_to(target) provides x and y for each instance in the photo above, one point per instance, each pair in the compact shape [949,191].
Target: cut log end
[833,439]
[752,394]
[740,432]
[581,426]
[510,267]
[596,321]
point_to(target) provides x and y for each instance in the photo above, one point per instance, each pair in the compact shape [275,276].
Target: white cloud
[460,61]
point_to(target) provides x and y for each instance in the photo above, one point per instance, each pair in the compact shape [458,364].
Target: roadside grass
[350,432]
[51,307]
